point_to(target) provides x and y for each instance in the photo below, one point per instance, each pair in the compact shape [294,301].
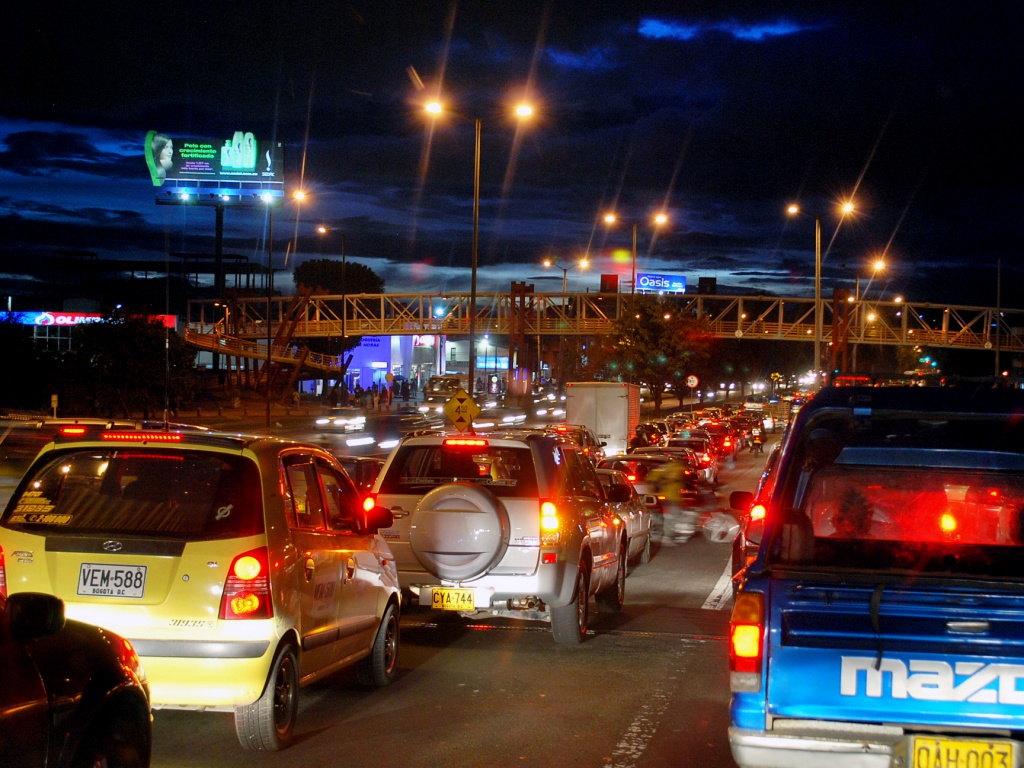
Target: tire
[268,724]
[378,669]
[114,742]
[569,622]
[611,597]
[645,553]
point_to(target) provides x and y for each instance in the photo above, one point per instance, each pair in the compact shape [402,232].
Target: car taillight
[746,635]
[369,502]
[550,525]
[705,459]
[757,512]
[464,442]
[247,587]
[3,575]
[631,478]
[144,437]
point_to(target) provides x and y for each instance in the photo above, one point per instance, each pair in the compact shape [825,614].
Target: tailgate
[149,588]
[897,653]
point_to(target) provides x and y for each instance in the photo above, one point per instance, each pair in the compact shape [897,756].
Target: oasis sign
[650,283]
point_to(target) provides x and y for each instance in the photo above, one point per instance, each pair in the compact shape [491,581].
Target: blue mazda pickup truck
[881,622]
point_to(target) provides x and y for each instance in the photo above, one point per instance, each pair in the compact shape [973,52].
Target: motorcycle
[757,443]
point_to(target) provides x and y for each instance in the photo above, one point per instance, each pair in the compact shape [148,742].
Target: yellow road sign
[461,410]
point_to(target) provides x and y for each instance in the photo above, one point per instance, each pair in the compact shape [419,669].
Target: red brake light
[947,523]
[247,587]
[369,502]
[462,442]
[631,478]
[72,431]
[757,512]
[746,636]
[144,437]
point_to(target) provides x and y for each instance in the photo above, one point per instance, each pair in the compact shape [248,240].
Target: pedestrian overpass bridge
[239,326]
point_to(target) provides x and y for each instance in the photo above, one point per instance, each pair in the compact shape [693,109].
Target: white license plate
[101,580]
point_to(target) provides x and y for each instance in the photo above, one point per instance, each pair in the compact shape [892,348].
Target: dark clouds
[722,112]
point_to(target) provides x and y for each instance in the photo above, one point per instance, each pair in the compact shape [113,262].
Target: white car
[513,524]
[634,513]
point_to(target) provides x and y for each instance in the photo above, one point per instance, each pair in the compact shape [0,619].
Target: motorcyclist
[680,523]
[639,440]
[757,440]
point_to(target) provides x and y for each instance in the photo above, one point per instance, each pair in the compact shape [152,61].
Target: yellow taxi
[240,568]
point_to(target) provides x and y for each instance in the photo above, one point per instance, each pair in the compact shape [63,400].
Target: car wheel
[611,597]
[114,742]
[569,622]
[645,553]
[269,722]
[378,669]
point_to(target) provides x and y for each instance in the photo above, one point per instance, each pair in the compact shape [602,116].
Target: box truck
[610,408]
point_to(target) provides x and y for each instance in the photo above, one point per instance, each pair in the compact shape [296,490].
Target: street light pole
[632,282]
[270,293]
[817,295]
[476,241]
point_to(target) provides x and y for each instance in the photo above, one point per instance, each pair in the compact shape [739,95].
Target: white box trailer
[610,408]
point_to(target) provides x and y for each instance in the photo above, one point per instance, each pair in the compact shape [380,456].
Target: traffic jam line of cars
[230,571]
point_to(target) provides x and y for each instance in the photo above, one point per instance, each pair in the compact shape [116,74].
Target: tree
[334,278]
[655,342]
[126,365]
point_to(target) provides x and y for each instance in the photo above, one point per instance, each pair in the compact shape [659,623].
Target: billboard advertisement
[239,159]
[650,283]
[75,318]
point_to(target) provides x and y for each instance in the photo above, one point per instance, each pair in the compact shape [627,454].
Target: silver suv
[513,524]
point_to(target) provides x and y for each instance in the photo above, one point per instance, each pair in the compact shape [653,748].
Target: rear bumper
[841,747]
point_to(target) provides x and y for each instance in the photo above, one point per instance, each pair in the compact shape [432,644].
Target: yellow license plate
[941,752]
[453,600]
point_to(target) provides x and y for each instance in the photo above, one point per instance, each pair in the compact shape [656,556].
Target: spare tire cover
[459,531]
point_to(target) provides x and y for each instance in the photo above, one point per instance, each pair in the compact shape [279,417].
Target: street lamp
[582,264]
[794,210]
[658,220]
[522,111]
[323,230]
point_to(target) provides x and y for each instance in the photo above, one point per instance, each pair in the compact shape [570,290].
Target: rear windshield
[919,502]
[169,494]
[507,472]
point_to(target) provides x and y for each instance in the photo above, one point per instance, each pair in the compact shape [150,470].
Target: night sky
[718,113]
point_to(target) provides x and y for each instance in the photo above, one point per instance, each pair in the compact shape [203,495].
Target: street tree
[126,365]
[656,342]
[334,278]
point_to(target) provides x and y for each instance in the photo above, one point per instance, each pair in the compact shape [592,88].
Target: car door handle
[397,512]
[350,569]
[309,568]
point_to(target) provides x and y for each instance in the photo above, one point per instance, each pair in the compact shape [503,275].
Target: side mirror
[376,518]
[32,615]
[619,494]
[741,500]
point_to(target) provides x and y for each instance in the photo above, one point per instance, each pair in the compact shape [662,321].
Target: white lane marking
[630,749]
[721,592]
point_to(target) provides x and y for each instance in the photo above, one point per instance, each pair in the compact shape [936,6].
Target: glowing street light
[658,220]
[581,264]
[794,210]
[522,111]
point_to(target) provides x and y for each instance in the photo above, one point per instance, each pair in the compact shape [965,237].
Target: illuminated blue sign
[661,283]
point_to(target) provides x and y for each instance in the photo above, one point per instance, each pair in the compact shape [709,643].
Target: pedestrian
[405,391]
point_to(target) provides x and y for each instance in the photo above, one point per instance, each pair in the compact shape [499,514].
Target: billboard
[231,165]
[651,283]
[36,317]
